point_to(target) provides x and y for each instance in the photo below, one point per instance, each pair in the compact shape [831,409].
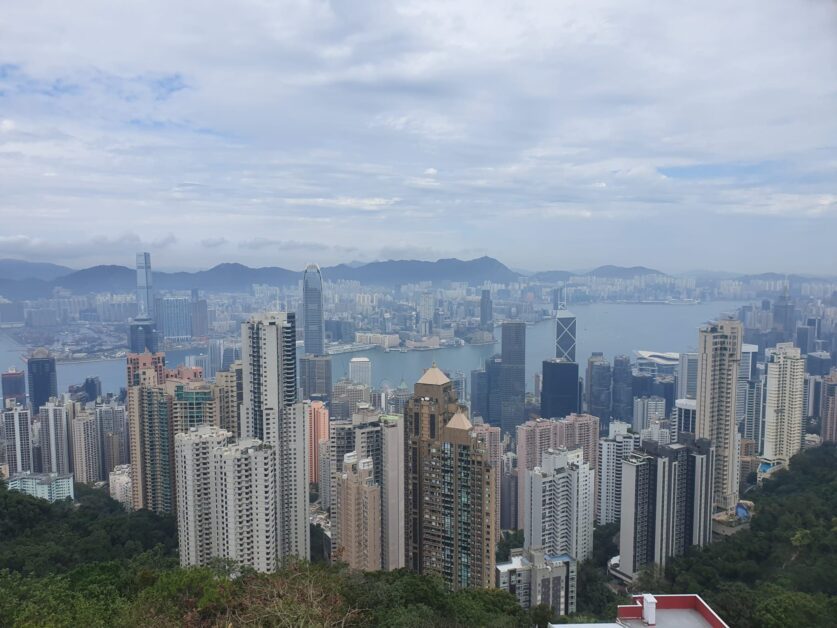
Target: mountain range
[29,280]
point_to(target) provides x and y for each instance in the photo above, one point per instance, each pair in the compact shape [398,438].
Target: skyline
[553,135]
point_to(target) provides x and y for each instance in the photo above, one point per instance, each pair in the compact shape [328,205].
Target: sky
[553,134]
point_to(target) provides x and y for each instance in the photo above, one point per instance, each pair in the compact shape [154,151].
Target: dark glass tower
[597,389]
[43,378]
[14,387]
[513,378]
[486,310]
[623,396]
[312,310]
[560,389]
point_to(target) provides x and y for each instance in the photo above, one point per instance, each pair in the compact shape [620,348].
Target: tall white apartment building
[719,357]
[612,449]
[193,459]
[784,410]
[360,371]
[560,505]
[244,507]
[18,431]
[56,437]
[119,485]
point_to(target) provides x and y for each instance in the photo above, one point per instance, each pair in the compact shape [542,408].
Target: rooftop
[434,377]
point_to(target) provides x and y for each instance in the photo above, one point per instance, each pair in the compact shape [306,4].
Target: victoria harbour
[612,328]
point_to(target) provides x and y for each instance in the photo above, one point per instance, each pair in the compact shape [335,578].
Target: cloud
[549,133]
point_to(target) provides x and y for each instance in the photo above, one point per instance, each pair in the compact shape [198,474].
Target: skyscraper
[392,492]
[560,505]
[87,465]
[318,432]
[312,310]
[18,437]
[450,492]
[360,371]
[269,358]
[145,288]
[719,357]
[194,474]
[565,337]
[784,413]
[315,377]
[56,437]
[612,449]
[687,376]
[512,384]
[622,389]
[14,387]
[560,389]
[486,310]
[597,388]
[829,407]
[43,378]
[358,536]
[579,430]
[666,503]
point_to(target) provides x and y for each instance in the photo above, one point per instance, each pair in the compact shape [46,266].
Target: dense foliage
[781,571]
[37,537]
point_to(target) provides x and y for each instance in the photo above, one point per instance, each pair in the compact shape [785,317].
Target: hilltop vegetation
[781,571]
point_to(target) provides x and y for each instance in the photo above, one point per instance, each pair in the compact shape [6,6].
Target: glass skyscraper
[312,310]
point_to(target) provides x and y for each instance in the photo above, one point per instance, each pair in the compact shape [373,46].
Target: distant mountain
[16,270]
[552,276]
[622,272]
[238,278]
[394,272]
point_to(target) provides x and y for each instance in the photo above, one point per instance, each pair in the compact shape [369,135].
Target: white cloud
[318,120]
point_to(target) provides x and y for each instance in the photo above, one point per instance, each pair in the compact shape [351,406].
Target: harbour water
[613,328]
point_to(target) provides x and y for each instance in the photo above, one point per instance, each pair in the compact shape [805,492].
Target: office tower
[579,430]
[357,541]
[457,378]
[537,578]
[87,463]
[508,491]
[145,289]
[479,394]
[135,363]
[664,386]
[229,395]
[597,388]
[559,394]
[565,328]
[119,485]
[486,310]
[784,414]
[719,355]
[657,363]
[151,430]
[312,310]
[806,338]
[360,371]
[347,397]
[642,384]
[245,510]
[818,363]
[512,381]
[43,378]
[666,503]
[53,487]
[269,359]
[318,432]
[143,336]
[829,408]
[491,436]
[14,387]
[623,396]
[559,505]
[18,437]
[685,414]
[315,377]
[646,409]
[452,538]
[199,317]
[56,437]
[174,317]
[687,376]
[746,372]
[612,449]
[193,451]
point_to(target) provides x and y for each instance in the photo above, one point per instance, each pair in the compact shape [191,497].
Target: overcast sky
[553,134]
